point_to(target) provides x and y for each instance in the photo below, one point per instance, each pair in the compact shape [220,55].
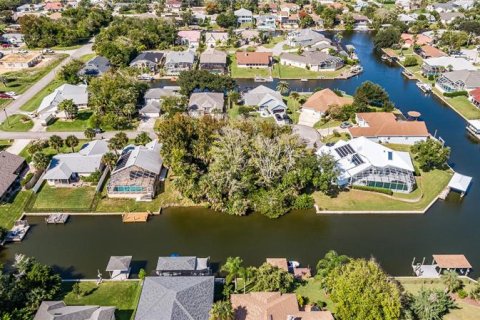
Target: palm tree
[3,80]
[89,133]
[233,97]
[110,159]
[330,261]
[221,310]
[70,108]
[232,267]
[118,141]
[283,87]
[40,161]
[142,138]
[71,141]
[451,280]
[55,142]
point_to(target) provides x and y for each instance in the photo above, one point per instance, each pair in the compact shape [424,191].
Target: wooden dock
[135,217]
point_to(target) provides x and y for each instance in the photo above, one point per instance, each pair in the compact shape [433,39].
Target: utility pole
[6,116]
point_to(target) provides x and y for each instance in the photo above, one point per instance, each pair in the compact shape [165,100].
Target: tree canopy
[385,38]
[204,80]
[431,154]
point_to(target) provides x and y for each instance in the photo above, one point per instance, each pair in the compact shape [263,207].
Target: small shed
[460,183]
[456,262]
[119,267]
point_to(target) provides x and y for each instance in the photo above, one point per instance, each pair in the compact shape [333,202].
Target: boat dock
[407,74]
[426,88]
[135,217]
[473,128]
[57,218]
[18,232]
[459,183]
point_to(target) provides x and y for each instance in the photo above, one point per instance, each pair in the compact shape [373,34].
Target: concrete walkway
[18,145]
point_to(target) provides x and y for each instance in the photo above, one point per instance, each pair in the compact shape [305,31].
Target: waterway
[84,244]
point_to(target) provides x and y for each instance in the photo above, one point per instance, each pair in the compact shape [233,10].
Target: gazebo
[119,267]
[455,262]
[414,115]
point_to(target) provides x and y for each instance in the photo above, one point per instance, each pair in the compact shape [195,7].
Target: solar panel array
[122,161]
[357,160]
[345,150]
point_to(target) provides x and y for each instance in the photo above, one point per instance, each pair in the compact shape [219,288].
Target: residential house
[53,6]
[182,266]
[206,103]
[427,51]
[15,39]
[362,162]
[460,80]
[12,168]
[474,97]
[269,103]
[66,169]
[95,67]
[406,18]
[48,108]
[410,40]
[385,127]
[174,298]
[272,306]
[309,38]
[318,104]
[190,38]
[289,7]
[464,4]
[292,21]
[58,310]
[253,59]
[449,17]
[243,16]
[360,22]
[153,100]
[213,39]
[137,174]
[176,62]
[442,7]
[30,7]
[312,60]
[173,6]
[437,66]
[150,60]
[20,60]
[266,23]
[248,36]
[214,61]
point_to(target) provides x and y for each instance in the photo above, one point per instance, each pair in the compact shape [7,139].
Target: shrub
[27,178]
[431,77]
[304,201]
[462,293]
[456,94]
[374,189]
[410,61]
[336,134]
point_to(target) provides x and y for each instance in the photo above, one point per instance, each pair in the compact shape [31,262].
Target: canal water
[84,244]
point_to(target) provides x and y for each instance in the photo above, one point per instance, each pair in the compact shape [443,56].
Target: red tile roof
[322,100]
[452,261]
[385,124]
[261,58]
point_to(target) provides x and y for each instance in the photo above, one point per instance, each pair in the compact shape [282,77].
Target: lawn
[330,123]
[293,109]
[11,211]
[288,72]
[463,311]
[58,199]
[335,137]
[4,144]
[51,152]
[168,197]
[315,294]
[123,295]
[274,41]
[237,72]
[17,123]
[430,184]
[20,81]
[34,102]
[87,57]
[464,107]
[78,124]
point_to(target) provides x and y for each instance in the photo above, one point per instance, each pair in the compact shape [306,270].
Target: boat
[57,218]
[407,74]
[424,87]
[262,79]
[473,127]
[294,264]
[304,80]
[385,57]
[145,77]
[18,232]
[356,69]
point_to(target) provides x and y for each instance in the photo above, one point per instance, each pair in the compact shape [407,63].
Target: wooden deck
[135,217]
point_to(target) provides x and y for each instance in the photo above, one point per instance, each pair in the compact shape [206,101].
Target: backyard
[313,292]
[63,199]
[123,295]
[17,123]
[80,123]
[12,210]
[237,72]
[288,72]
[463,106]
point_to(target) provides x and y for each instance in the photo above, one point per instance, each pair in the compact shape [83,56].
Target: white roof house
[82,163]
[356,158]
[455,63]
[77,93]
[254,96]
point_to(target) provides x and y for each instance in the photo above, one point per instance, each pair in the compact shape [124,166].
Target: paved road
[14,106]
[45,135]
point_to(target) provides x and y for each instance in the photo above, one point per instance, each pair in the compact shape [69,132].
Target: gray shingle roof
[206,101]
[213,56]
[256,95]
[57,310]
[96,66]
[470,78]
[176,263]
[176,298]
[154,57]
[180,57]
[310,57]
[120,263]
[9,164]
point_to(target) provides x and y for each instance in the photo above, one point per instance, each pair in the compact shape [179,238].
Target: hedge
[373,189]
[456,94]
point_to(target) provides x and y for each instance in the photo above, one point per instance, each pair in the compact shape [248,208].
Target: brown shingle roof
[382,124]
[254,58]
[322,100]
[452,261]
[432,52]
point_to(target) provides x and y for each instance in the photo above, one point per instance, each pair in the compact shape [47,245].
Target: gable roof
[256,95]
[146,157]
[452,261]
[471,78]
[242,12]
[57,310]
[180,57]
[213,56]
[322,100]
[206,100]
[187,263]
[9,164]
[77,93]
[176,298]
[151,56]
[381,124]
[253,57]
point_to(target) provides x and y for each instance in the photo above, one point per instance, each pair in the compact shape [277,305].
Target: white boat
[473,127]
[294,264]
[145,77]
[424,87]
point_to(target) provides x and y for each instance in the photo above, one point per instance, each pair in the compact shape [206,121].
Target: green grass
[248,73]
[314,293]
[288,72]
[20,81]
[34,102]
[17,123]
[50,152]
[13,209]
[64,198]
[274,41]
[334,138]
[79,124]
[330,123]
[67,48]
[293,109]
[464,107]
[168,197]
[430,184]
[123,295]
[4,144]
[87,57]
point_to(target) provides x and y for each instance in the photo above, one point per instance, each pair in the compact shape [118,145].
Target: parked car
[48,51]
[345,125]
